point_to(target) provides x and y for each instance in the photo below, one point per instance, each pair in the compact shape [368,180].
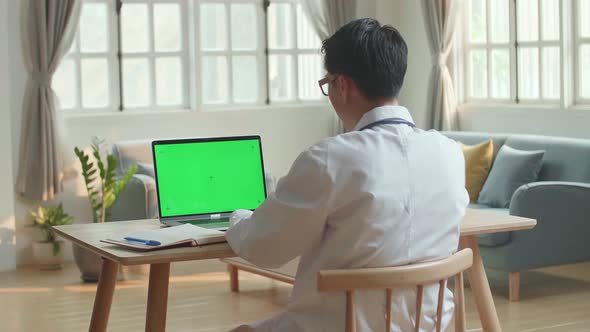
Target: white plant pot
[43,252]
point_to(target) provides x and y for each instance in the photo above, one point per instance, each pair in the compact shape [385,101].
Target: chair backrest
[389,278]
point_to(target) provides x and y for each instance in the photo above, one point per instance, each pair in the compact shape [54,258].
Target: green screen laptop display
[209,176]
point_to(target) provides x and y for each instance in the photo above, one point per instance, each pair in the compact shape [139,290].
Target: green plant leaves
[47,217]
[104,189]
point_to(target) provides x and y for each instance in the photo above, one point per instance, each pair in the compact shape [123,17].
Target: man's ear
[345,85]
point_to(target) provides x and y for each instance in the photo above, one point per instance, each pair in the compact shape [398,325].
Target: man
[383,194]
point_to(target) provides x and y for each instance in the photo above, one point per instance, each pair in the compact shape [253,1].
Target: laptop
[202,181]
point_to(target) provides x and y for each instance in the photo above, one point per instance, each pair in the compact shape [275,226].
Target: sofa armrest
[137,201]
[562,211]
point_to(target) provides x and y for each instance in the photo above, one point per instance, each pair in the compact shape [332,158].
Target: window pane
[479,73]
[477,33]
[309,72]
[280,77]
[551,73]
[528,73]
[214,80]
[307,38]
[95,83]
[584,71]
[93,28]
[528,20]
[135,28]
[500,24]
[550,26]
[167,23]
[213,27]
[245,79]
[280,26]
[243,27]
[500,73]
[65,83]
[169,88]
[136,82]
[583,14]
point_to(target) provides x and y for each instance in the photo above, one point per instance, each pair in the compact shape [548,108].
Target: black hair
[374,56]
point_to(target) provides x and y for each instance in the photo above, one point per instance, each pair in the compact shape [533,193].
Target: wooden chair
[388,278]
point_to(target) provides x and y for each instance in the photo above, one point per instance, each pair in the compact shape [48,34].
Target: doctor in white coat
[384,193]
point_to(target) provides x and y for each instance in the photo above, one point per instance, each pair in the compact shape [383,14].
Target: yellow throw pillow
[478,161]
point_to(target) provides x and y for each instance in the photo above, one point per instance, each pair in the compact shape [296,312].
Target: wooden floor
[554,299]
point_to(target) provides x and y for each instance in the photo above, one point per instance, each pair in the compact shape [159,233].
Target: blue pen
[146,242]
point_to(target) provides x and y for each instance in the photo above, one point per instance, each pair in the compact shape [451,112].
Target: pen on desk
[146,242]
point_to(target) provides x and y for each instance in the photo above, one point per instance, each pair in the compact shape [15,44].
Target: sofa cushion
[478,161]
[512,169]
[494,239]
[472,138]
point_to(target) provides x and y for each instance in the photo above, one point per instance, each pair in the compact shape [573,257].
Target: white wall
[285,131]
[406,15]
[7,228]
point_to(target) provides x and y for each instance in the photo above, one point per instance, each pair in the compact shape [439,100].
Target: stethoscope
[388,121]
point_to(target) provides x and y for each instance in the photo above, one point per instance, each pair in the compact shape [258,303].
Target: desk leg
[481,288]
[104,296]
[155,320]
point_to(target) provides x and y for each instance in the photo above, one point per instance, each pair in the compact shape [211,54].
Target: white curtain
[326,17]
[49,27]
[440,17]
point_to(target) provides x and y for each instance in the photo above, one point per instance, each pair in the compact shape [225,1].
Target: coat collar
[383,112]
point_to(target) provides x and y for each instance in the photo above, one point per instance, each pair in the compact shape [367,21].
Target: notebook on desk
[176,236]
[202,181]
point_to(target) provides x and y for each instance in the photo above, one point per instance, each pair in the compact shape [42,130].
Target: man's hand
[238,216]
[270,181]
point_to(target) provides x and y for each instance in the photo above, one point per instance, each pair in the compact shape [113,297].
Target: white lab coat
[385,196]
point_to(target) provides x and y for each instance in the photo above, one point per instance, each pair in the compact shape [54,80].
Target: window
[514,51]
[293,55]
[159,54]
[153,53]
[582,51]
[232,54]
[86,76]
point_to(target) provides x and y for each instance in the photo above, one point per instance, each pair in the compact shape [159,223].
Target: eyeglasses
[324,81]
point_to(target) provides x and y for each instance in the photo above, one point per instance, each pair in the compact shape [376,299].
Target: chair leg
[234,282]
[460,325]
[514,286]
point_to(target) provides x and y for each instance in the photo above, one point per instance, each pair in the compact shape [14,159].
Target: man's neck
[364,108]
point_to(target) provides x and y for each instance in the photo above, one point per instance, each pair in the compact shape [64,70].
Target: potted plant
[49,252]
[103,189]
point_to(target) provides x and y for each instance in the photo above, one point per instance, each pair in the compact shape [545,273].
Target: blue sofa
[559,201]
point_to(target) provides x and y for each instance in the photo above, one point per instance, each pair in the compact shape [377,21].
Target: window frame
[488,46]
[578,41]
[152,55]
[229,53]
[295,51]
[569,66]
[191,56]
[110,56]
[539,45]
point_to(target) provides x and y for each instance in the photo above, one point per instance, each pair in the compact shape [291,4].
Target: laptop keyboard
[213,223]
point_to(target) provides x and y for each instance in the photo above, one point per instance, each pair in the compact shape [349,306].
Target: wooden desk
[475,222]
[89,236]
